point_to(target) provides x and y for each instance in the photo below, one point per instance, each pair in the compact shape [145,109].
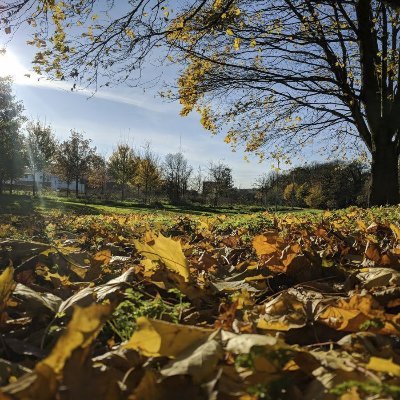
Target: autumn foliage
[156,306]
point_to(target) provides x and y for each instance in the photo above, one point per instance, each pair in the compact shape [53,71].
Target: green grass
[17,204]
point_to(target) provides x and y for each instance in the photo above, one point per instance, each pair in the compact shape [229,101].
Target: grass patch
[26,205]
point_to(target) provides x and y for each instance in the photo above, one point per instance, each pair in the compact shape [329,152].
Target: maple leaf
[7,286]
[267,244]
[159,338]
[81,331]
[167,251]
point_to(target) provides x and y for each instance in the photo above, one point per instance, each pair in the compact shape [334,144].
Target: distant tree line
[141,174]
[328,185]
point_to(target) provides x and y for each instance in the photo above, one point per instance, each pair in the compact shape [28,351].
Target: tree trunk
[76,187]
[11,185]
[123,192]
[34,185]
[384,177]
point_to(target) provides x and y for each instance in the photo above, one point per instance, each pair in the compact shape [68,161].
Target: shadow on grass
[130,206]
[17,204]
[76,208]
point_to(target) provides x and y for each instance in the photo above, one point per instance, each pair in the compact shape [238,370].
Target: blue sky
[122,114]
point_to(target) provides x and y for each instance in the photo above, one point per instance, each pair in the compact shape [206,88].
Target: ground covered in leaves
[175,307]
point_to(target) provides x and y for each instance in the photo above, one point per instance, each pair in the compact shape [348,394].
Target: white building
[52,182]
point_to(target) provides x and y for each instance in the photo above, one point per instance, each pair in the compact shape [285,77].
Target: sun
[11,66]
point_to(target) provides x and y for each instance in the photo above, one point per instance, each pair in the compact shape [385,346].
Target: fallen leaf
[155,338]
[383,365]
[199,361]
[7,285]
[80,333]
[167,251]
[267,244]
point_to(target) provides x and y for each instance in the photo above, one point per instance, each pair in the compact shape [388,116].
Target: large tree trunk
[76,187]
[385,177]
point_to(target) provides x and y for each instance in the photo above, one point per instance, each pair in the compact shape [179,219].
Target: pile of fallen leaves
[149,307]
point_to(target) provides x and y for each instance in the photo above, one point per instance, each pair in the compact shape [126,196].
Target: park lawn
[25,205]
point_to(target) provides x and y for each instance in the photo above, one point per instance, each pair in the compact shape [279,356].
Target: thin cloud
[22,76]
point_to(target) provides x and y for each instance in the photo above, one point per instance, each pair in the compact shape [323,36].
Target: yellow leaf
[229,32]
[236,43]
[159,338]
[149,267]
[350,314]
[361,224]
[396,230]
[168,251]
[81,331]
[383,365]
[102,257]
[217,4]
[267,244]
[7,285]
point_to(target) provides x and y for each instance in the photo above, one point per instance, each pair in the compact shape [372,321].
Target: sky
[120,114]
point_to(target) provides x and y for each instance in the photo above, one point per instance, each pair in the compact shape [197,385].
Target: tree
[97,173]
[220,176]
[316,197]
[302,70]
[148,177]
[72,160]
[266,185]
[177,173]
[335,184]
[122,166]
[197,180]
[41,147]
[289,193]
[12,159]
[294,69]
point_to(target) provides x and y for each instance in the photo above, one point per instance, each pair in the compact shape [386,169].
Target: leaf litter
[163,307]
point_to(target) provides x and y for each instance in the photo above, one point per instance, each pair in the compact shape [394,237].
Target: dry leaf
[167,251]
[267,244]
[80,333]
[383,365]
[159,338]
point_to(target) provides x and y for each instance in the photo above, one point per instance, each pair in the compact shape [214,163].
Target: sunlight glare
[11,66]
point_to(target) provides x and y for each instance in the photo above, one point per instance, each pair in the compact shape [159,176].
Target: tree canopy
[283,72]
[11,141]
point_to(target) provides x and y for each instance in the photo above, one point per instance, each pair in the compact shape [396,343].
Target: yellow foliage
[80,333]
[7,285]
[167,251]
[159,338]
[350,314]
[384,365]
[267,244]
